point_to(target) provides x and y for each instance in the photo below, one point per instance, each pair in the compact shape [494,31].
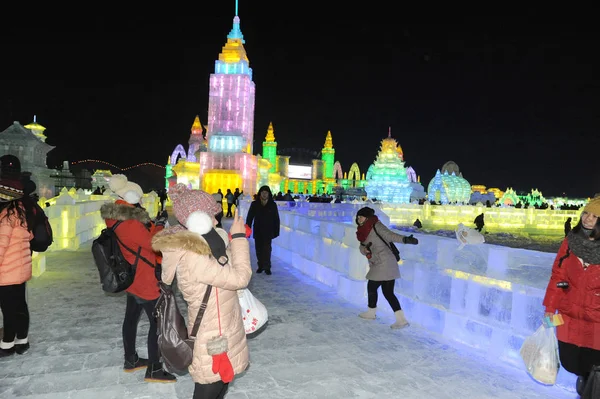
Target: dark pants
[133,311]
[15,312]
[219,216]
[263,252]
[387,287]
[229,214]
[576,359]
[216,390]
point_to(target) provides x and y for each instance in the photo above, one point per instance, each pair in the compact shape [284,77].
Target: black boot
[21,345]
[134,363]
[21,348]
[259,270]
[156,373]
[580,384]
[7,352]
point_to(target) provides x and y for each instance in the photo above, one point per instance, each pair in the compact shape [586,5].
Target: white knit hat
[128,190]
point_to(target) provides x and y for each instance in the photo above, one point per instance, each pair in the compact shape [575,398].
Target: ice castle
[387,179]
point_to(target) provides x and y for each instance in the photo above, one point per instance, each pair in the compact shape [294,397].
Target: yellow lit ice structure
[188,173]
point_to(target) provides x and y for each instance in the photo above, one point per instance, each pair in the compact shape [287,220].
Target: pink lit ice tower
[229,162]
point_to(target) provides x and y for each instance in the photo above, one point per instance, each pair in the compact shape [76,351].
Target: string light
[118,167]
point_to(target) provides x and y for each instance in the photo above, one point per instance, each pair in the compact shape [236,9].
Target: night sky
[513,101]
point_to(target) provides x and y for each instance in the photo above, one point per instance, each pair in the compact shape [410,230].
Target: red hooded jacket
[579,304]
[134,233]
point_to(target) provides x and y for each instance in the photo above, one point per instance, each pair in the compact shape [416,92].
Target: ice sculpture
[196,140]
[229,162]
[447,188]
[387,179]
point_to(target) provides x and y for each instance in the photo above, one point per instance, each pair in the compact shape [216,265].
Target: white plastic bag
[540,354]
[466,235]
[254,313]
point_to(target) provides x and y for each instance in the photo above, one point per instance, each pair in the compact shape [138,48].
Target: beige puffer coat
[383,265]
[187,255]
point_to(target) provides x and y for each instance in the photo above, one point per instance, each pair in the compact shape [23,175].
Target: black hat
[366,212]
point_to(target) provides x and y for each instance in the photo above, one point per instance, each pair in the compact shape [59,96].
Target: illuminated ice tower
[196,141]
[270,148]
[328,158]
[387,180]
[229,162]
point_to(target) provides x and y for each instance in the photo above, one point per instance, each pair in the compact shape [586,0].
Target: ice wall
[75,216]
[488,297]
[342,212]
[517,220]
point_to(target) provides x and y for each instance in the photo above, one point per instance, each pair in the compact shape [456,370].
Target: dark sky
[513,101]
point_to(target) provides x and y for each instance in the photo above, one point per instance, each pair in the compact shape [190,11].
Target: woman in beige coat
[187,255]
[374,238]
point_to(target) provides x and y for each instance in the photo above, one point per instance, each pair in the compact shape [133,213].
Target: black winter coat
[265,218]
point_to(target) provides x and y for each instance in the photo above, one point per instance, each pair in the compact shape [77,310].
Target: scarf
[362,232]
[584,248]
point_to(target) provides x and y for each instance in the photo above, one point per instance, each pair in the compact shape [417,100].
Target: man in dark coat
[264,214]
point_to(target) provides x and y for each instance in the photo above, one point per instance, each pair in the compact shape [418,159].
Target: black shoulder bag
[390,245]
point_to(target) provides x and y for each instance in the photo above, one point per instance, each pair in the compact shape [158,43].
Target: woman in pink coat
[187,252]
[15,269]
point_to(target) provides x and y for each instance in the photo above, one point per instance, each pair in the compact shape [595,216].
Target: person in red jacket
[574,291]
[135,230]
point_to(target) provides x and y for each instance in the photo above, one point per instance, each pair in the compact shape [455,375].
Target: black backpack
[116,274]
[42,231]
[592,387]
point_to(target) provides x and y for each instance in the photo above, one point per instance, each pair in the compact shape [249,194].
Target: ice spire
[236,32]
[328,140]
[270,133]
[197,126]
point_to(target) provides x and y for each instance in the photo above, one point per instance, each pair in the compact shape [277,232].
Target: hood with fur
[116,211]
[178,238]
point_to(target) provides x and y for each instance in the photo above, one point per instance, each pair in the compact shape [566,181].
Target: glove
[369,254]
[410,240]
[162,218]
[222,365]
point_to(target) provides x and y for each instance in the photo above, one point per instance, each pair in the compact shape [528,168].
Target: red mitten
[217,348]
[225,367]
[216,364]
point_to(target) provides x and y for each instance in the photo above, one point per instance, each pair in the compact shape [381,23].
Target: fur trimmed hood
[124,212]
[178,238]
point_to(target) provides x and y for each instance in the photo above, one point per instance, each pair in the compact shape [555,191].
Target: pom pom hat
[194,209]
[128,190]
